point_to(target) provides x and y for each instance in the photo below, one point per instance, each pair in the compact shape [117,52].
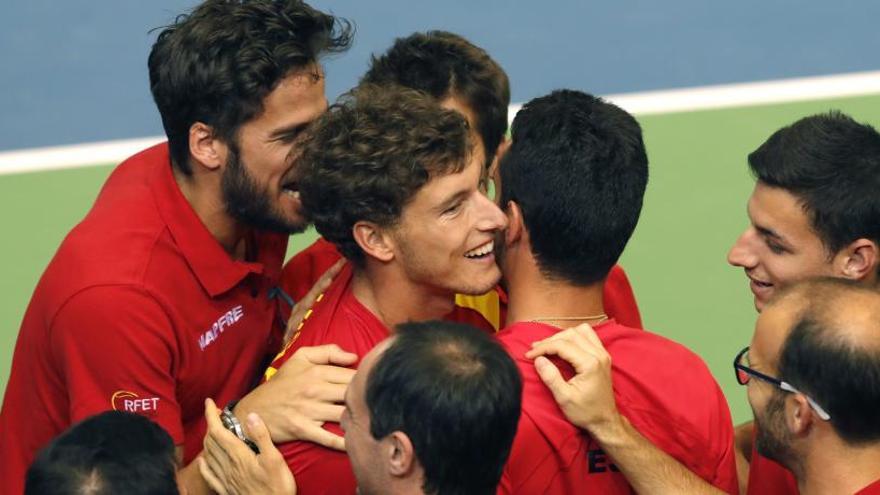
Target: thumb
[259,433]
[551,376]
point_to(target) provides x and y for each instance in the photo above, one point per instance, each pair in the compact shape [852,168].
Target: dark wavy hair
[218,63]
[444,64]
[366,157]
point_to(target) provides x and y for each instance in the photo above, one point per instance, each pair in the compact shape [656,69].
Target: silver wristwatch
[231,423]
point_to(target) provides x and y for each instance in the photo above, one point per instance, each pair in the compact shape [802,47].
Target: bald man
[813,376]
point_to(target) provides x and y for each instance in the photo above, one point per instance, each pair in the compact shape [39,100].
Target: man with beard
[462,77]
[813,376]
[393,180]
[815,211]
[163,294]
[572,185]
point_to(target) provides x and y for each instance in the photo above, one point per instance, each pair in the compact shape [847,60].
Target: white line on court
[642,103]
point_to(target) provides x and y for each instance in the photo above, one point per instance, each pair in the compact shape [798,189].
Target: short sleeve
[115,349]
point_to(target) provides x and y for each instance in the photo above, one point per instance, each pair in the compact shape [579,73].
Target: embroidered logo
[124,400]
[221,325]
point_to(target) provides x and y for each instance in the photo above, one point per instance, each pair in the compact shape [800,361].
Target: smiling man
[815,211]
[160,297]
[393,180]
[462,77]
[815,208]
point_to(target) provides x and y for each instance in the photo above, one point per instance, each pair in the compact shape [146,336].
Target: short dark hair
[370,153]
[831,163]
[821,358]
[577,168]
[218,63]
[444,64]
[111,452]
[456,393]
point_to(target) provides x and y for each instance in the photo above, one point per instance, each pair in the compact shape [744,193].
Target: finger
[326,354]
[556,336]
[582,361]
[216,456]
[551,377]
[566,337]
[331,273]
[259,433]
[572,338]
[212,415]
[336,374]
[320,436]
[324,412]
[299,311]
[211,478]
[329,393]
[321,285]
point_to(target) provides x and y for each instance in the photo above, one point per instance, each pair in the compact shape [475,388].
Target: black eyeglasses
[744,373]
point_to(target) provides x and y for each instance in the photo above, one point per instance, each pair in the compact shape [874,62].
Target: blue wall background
[75,71]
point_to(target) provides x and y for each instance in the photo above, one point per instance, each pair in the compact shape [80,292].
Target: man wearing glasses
[814,211]
[813,377]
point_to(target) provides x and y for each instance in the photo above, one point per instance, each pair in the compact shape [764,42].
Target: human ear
[402,457]
[858,260]
[373,240]
[205,148]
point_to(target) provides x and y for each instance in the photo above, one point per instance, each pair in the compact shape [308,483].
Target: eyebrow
[289,131]
[768,232]
[458,196]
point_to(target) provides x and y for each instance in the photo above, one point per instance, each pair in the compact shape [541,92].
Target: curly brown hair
[369,154]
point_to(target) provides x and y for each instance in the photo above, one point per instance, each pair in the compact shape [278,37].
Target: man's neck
[833,467]
[395,299]
[208,204]
[533,297]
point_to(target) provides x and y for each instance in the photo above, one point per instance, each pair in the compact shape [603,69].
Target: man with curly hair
[162,295]
[393,180]
[462,77]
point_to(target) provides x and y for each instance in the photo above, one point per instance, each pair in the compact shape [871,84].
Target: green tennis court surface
[694,209]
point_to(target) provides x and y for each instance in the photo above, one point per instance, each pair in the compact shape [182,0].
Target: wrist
[609,431]
[231,422]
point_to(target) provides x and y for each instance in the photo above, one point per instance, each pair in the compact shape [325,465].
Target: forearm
[647,468]
[190,480]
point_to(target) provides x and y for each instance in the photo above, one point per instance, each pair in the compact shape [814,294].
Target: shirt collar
[216,270]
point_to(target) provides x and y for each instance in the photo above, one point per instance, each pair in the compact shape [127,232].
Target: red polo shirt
[665,391]
[337,317]
[303,270]
[141,310]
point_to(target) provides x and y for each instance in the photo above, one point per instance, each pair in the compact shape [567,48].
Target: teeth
[292,193]
[480,251]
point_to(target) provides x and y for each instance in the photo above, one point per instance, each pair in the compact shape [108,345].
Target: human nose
[742,253]
[491,218]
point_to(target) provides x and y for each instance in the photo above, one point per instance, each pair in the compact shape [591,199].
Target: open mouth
[291,189]
[482,251]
